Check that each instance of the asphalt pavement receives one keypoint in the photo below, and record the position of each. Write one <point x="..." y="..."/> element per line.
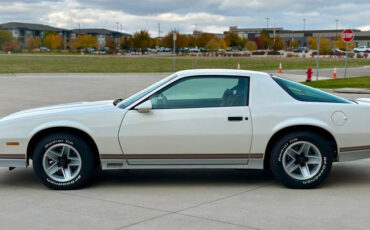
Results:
<point x="167" y="199"/>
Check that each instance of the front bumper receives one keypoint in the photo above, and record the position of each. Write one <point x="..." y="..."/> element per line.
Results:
<point x="13" y="160"/>
<point x="354" y="153"/>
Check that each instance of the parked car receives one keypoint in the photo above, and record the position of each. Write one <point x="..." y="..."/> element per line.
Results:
<point x="44" y="49"/>
<point x="230" y="119"/>
<point x="359" y="49"/>
<point x="301" y="50"/>
<point x="337" y="52"/>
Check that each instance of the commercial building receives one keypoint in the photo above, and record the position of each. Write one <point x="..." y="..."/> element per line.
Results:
<point x="21" y="31"/>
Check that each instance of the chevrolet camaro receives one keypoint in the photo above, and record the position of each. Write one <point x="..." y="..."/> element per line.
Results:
<point x="229" y="119"/>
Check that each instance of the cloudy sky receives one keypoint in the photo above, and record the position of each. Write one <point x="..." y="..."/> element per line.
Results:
<point x="209" y="15"/>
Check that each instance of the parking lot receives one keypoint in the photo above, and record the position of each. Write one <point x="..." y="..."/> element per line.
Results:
<point x="167" y="199"/>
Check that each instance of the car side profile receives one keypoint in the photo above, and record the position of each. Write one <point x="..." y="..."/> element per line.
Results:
<point x="359" y="49"/>
<point x="211" y="118"/>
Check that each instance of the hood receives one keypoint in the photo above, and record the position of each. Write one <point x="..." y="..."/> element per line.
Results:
<point x="365" y="101"/>
<point x="58" y="108"/>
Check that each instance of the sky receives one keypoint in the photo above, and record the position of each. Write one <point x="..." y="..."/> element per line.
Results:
<point x="185" y="15"/>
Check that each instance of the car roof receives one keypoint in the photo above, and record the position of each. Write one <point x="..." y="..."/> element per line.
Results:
<point x="226" y="72"/>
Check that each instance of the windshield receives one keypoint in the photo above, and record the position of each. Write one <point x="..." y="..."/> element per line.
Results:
<point x="128" y="101"/>
<point x="305" y="93"/>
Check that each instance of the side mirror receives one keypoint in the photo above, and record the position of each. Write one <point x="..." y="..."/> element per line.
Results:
<point x="144" y="107"/>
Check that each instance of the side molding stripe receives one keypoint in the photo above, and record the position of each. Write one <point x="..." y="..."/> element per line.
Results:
<point x="182" y="156"/>
<point x="354" y="148"/>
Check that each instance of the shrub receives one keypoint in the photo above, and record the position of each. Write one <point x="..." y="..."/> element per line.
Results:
<point x="366" y="55"/>
<point x="250" y="45"/>
<point x="258" y="53"/>
<point x="359" y="55"/>
<point x="12" y="46"/>
<point x="273" y="52"/>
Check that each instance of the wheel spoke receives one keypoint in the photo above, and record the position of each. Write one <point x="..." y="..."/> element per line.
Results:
<point x="313" y="160"/>
<point x="305" y="148"/>
<point x="66" y="150"/>
<point x="53" y="155"/>
<point x="305" y="171"/>
<point x="292" y="153"/>
<point x="75" y="162"/>
<point x="291" y="166"/>
<point x="67" y="173"/>
<point x="53" y="168"/>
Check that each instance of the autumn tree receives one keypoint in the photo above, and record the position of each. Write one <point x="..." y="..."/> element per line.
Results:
<point x="125" y="43"/>
<point x="277" y="43"/>
<point x="212" y="45"/>
<point x="232" y="39"/>
<point x="265" y="39"/>
<point x="85" y="41"/>
<point x="53" y="41"/>
<point x="182" y="40"/>
<point x="111" y="44"/>
<point x="340" y="44"/>
<point x="222" y="44"/>
<point x="192" y="41"/>
<point x="258" y="42"/>
<point x="325" y="44"/>
<point x="12" y="45"/>
<point x="204" y="38"/>
<point x="142" y="40"/>
<point x="250" y="46"/>
<point x="294" y="44"/>
<point x="32" y="43"/>
<point x="5" y="37"/>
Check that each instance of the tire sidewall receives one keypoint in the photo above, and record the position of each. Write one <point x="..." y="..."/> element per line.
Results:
<point x="73" y="141"/>
<point x="278" y="153"/>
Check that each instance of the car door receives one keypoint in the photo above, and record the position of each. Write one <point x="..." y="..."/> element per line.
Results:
<point x="195" y="120"/>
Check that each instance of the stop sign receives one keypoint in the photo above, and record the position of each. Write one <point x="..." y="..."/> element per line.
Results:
<point x="347" y="35"/>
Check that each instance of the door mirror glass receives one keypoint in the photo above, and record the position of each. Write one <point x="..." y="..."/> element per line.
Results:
<point x="144" y="107"/>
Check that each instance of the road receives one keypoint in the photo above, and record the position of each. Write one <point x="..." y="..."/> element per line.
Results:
<point x="165" y="199"/>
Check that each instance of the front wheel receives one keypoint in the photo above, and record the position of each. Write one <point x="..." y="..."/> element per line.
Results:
<point x="63" y="161"/>
<point x="301" y="160"/>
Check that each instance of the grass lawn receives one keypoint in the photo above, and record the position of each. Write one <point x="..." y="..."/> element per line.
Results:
<point x="356" y="82"/>
<point x="115" y="64"/>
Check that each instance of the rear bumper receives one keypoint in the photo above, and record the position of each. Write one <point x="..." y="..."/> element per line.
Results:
<point x="354" y="153"/>
<point x="13" y="160"/>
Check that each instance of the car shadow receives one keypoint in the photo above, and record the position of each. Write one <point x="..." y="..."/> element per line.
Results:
<point x="343" y="174"/>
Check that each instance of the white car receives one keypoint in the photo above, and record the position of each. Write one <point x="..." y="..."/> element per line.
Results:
<point x="205" y="119"/>
<point x="361" y="49"/>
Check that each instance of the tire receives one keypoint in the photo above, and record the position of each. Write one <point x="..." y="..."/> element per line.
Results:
<point x="63" y="161"/>
<point x="301" y="160"/>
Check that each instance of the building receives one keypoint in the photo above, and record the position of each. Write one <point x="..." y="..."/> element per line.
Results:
<point x="21" y="31"/>
<point x="101" y="34"/>
<point x="362" y="38"/>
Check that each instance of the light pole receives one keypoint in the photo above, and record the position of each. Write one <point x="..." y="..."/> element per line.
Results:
<point x="304" y="30"/>
<point x="174" y="50"/>
<point x="336" y="28"/>
<point x="267" y="23"/>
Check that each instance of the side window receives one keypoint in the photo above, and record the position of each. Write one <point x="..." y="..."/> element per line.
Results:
<point x="203" y="92"/>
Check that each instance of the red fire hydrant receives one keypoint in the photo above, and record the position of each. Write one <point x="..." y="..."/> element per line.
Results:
<point x="309" y="74"/>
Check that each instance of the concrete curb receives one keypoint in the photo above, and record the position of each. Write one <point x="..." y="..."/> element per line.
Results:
<point x="352" y="90"/>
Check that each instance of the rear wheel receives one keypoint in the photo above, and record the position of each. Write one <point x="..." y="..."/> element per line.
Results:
<point x="63" y="161"/>
<point x="301" y="160"/>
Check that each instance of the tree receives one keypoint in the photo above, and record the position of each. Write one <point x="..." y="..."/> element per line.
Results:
<point x="232" y="39"/>
<point x="242" y="43"/>
<point x="111" y="44"/>
<point x="250" y="45"/>
<point x="222" y="44"/>
<point x="325" y="44"/>
<point x="125" y="43"/>
<point x="340" y="44"/>
<point x="84" y="41"/>
<point x="258" y="42"/>
<point x="277" y="43"/>
<point x="142" y="40"/>
<point x="12" y="45"/>
<point x="32" y="43"/>
<point x="204" y="38"/>
<point x="5" y="37"/>
<point x="294" y="44"/>
<point x="53" y="41"/>
<point x="182" y="40"/>
<point x="192" y="41"/>
<point x="265" y="39"/>
<point x="212" y="45"/>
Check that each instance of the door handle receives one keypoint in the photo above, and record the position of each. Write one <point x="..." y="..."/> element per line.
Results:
<point x="235" y="118"/>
